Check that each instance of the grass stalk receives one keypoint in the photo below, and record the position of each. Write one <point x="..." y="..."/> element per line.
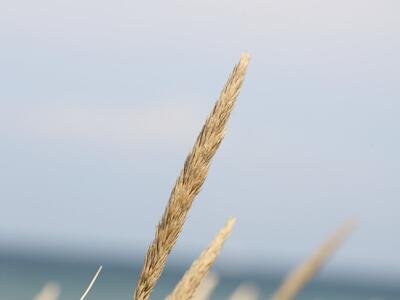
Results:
<point x="91" y="283"/>
<point x="187" y="286"/>
<point x="301" y="275"/>
<point x="189" y="183"/>
<point x="206" y="287"/>
<point x="50" y="291"/>
<point x="245" y="291"/>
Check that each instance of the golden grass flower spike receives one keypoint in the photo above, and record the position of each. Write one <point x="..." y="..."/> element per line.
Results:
<point x="189" y="183"/>
<point x="299" y="277"/>
<point x="187" y="286"/>
<point x="206" y="287"/>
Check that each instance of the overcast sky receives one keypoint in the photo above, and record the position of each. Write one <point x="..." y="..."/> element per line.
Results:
<point x="100" y="103"/>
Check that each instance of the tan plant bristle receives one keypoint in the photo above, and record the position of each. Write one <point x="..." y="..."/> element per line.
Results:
<point x="50" y="291"/>
<point x="298" y="278"/>
<point x="206" y="287"/>
<point x="187" y="286"/>
<point x="245" y="291"/>
<point x="189" y="183"/>
<point x="89" y="287"/>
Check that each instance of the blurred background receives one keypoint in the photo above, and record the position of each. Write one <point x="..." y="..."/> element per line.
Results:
<point x="101" y="101"/>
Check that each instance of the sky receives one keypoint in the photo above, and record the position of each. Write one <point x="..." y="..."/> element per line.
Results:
<point x="100" y="102"/>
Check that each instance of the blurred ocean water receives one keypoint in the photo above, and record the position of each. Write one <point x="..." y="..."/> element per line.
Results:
<point x="23" y="279"/>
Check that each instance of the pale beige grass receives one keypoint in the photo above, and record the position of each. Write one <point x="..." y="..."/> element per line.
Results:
<point x="245" y="291"/>
<point x="189" y="183"/>
<point x="187" y="286"/>
<point x="299" y="277"/>
<point x="206" y="287"/>
<point x="91" y="283"/>
<point x="50" y="291"/>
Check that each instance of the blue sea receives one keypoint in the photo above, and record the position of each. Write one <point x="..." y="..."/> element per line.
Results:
<point x="23" y="277"/>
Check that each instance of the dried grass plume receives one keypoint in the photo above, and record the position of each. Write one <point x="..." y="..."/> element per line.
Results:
<point x="245" y="291"/>
<point x="50" y="291"/>
<point x="298" y="278"/>
<point x="189" y="183"/>
<point x="206" y="287"/>
<point x="187" y="286"/>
